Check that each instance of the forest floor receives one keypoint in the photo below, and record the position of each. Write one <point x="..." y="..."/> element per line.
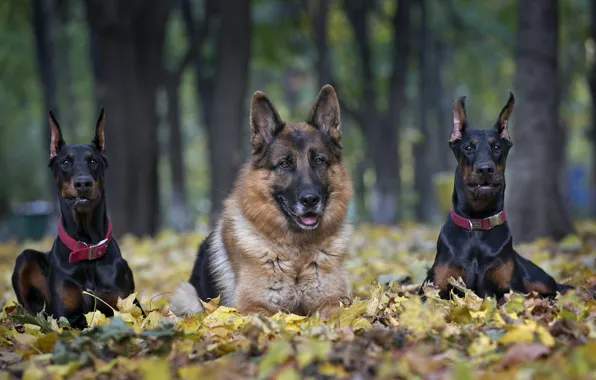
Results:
<point x="385" y="332"/>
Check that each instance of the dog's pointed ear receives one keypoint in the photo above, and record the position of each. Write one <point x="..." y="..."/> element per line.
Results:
<point x="99" y="140"/>
<point x="265" y="122"/>
<point x="324" y="114"/>
<point x="459" y="119"/>
<point x="56" y="139"/>
<point x="502" y="125"/>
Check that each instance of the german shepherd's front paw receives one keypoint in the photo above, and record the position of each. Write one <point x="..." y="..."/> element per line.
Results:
<point x="329" y="308"/>
<point x="254" y="307"/>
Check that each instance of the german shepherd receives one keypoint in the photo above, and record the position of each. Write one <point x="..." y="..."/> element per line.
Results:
<point x="282" y="238"/>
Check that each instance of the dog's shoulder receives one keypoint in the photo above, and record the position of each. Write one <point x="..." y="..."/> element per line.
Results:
<point x="240" y="239"/>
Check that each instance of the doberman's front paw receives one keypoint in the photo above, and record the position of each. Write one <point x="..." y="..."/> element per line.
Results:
<point x="564" y="288"/>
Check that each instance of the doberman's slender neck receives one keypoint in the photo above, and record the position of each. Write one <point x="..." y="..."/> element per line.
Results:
<point x="475" y="209"/>
<point x="90" y="227"/>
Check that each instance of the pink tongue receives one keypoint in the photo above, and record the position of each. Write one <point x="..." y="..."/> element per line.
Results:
<point x="309" y="220"/>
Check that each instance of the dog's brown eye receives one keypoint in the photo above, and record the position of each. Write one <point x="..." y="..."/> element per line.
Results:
<point x="319" y="161"/>
<point x="65" y="162"/>
<point x="284" y="164"/>
<point x="469" y="148"/>
<point x="497" y="147"/>
<point x="93" y="162"/>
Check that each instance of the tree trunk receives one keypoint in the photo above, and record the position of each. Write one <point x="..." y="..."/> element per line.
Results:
<point x="44" y="48"/>
<point x="114" y="73"/>
<point x="178" y="211"/>
<point x="150" y="38"/>
<point x="94" y="54"/>
<point x="227" y="140"/>
<point x="358" y="13"/>
<point x="537" y="207"/>
<point x="291" y="90"/>
<point x="592" y="131"/>
<point x="388" y="186"/>
<point x="360" y="191"/>
<point x="442" y="155"/>
<point x="208" y="75"/>
<point x="130" y="37"/>
<point x="423" y="171"/>
<point x="380" y="130"/>
<point x="203" y="67"/>
<point x="320" y="26"/>
<point x="63" y="73"/>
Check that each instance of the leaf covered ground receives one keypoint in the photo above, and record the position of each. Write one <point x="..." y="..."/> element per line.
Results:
<point x="384" y="331"/>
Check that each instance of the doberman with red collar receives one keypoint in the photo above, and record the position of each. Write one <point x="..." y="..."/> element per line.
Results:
<point x="85" y="256"/>
<point x="475" y="242"/>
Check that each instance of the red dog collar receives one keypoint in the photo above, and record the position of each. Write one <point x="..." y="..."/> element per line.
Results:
<point x="82" y="251"/>
<point x="478" y="224"/>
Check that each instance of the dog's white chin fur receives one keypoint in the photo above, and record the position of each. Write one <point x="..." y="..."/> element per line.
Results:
<point x="185" y="300"/>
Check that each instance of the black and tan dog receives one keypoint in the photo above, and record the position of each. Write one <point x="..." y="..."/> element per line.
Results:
<point x="282" y="238"/>
<point x="475" y="242"/>
<point x="85" y="256"/>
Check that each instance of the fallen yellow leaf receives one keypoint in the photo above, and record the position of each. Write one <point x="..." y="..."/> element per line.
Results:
<point x="127" y="305"/>
<point x="155" y="369"/>
<point x="96" y="318"/>
<point x="527" y="333"/>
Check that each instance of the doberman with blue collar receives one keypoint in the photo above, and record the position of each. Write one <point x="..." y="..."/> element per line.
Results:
<point x="85" y="256"/>
<point x="475" y="242"/>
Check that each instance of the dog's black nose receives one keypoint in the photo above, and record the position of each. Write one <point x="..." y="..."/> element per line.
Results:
<point x="309" y="199"/>
<point x="83" y="183"/>
<point x="485" y="169"/>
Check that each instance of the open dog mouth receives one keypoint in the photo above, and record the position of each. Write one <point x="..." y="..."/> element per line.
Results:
<point x="80" y="200"/>
<point x="310" y="220"/>
<point x="304" y="219"/>
<point x="483" y="187"/>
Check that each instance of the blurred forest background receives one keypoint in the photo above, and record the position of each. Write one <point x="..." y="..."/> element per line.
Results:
<point x="176" y="78"/>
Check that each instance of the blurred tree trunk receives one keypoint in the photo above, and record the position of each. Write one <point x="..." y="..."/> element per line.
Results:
<point x="149" y="43"/>
<point x="592" y="131"/>
<point x="94" y="54"/>
<point x="291" y="89"/>
<point x="44" y="48"/>
<point x="439" y="124"/>
<point x="63" y="72"/>
<point x="199" y="31"/>
<point x="442" y="155"/>
<point x="321" y="35"/>
<point x="178" y="211"/>
<point x="389" y="186"/>
<point x="130" y="37"/>
<point x="221" y="87"/>
<point x="227" y="130"/>
<point x="537" y="207"/>
<point x="360" y="190"/>
<point x="423" y="156"/>
<point x="381" y="129"/>
<point x="358" y="13"/>
<point x="114" y="71"/>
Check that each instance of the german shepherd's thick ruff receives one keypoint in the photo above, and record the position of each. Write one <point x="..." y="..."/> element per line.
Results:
<point x="282" y="238"/>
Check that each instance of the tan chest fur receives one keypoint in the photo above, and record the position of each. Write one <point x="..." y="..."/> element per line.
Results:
<point x="273" y="275"/>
